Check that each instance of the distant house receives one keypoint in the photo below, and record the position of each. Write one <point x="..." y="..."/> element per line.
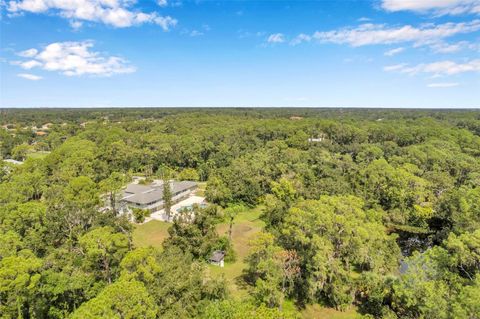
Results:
<point x="320" y="138"/>
<point x="150" y="197"/>
<point x="46" y="126"/>
<point x="12" y="161"/>
<point x="217" y="258"/>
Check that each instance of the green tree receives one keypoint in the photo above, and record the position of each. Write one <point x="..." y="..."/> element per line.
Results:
<point x="178" y="283"/>
<point x="335" y="238"/>
<point x="217" y="192"/>
<point x="231" y="212"/>
<point x="112" y="186"/>
<point x="103" y="250"/>
<point x="19" y="152"/>
<point x="243" y="309"/>
<point x="194" y="231"/>
<point x="140" y="214"/>
<point x="271" y="269"/>
<point x="167" y="198"/>
<point x="188" y="174"/>
<point x="19" y="280"/>
<point x="123" y="299"/>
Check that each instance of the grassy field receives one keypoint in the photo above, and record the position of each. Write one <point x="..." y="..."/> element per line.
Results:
<point x="246" y="226"/>
<point x="319" y="312"/>
<point x="152" y="233"/>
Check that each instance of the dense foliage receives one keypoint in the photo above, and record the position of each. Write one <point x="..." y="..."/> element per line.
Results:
<point x="374" y="208"/>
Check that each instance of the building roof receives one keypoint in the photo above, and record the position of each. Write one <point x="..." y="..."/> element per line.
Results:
<point x="145" y="194"/>
<point x="12" y="161"/>
<point x="217" y="256"/>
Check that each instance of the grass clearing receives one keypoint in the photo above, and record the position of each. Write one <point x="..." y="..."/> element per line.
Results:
<point x="246" y="226"/>
<point x="152" y="233"/>
<point x="318" y="312"/>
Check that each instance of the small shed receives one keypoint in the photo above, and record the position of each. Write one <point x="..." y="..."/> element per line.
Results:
<point x="217" y="258"/>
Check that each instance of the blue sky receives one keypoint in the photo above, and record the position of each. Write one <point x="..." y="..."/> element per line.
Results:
<point x="113" y="53"/>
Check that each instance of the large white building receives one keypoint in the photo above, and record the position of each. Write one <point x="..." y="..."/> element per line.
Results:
<point x="150" y="197"/>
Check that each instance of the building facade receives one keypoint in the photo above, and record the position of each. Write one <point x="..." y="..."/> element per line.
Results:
<point x="150" y="197"/>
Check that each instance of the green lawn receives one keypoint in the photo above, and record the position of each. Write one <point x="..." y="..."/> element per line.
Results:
<point x="318" y="312"/>
<point x="246" y="226"/>
<point x="152" y="233"/>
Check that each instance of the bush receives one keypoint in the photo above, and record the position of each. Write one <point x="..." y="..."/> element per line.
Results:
<point x="140" y="214"/>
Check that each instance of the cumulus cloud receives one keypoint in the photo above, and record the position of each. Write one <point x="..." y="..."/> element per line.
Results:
<point x="28" y="53"/>
<point x="28" y="76"/>
<point x="302" y="37"/>
<point x="162" y="3"/>
<point x="116" y="13"/>
<point x="395" y="67"/>
<point x="395" y="51"/>
<point x="276" y="38"/>
<point x="438" y="7"/>
<point x="368" y="34"/>
<point x="439" y="68"/>
<point x="364" y="19"/>
<point x="74" y="59"/>
<point x="196" y="33"/>
<point x="443" y="85"/>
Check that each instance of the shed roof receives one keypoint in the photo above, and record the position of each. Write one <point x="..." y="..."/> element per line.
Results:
<point x="217" y="256"/>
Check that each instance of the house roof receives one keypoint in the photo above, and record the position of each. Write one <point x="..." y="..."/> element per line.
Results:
<point x="145" y="194"/>
<point x="217" y="256"/>
<point x="12" y="161"/>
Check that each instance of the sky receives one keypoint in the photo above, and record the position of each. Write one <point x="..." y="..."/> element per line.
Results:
<point x="180" y="53"/>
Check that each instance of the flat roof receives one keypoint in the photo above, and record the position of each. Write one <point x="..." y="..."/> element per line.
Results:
<point x="145" y="194"/>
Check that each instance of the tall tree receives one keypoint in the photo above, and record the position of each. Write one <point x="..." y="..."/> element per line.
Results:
<point x="123" y="299"/>
<point x="112" y="186"/>
<point x="231" y="212"/>
<point x="167" y="198"/>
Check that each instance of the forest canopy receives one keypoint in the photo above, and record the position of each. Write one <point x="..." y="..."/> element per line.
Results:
<point x="365" y="209"/>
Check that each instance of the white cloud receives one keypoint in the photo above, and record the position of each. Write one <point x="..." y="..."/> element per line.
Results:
<point x="364" y="19"/>
<point x="395" y="67"/>
<point x="28" y="53"/>
<point x="196" y="33"/>
<point x="76" y="59"/>
<point x="443" y="47"/>
<point x="368" y="34"/>
<point x="443" y="85"/>
<point x="438" y="7"/>
<point x="162" y="3"/>
<point x="27" y="65"/>
<point x="395" y="51"/>
<point x="28" y="76"/>
<point x="76" y="24"/>
<point x="276" y="38"/>
<point x="302" y="37"/>
<point x="116" y="13"/>
<point x="439" y="68"/>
